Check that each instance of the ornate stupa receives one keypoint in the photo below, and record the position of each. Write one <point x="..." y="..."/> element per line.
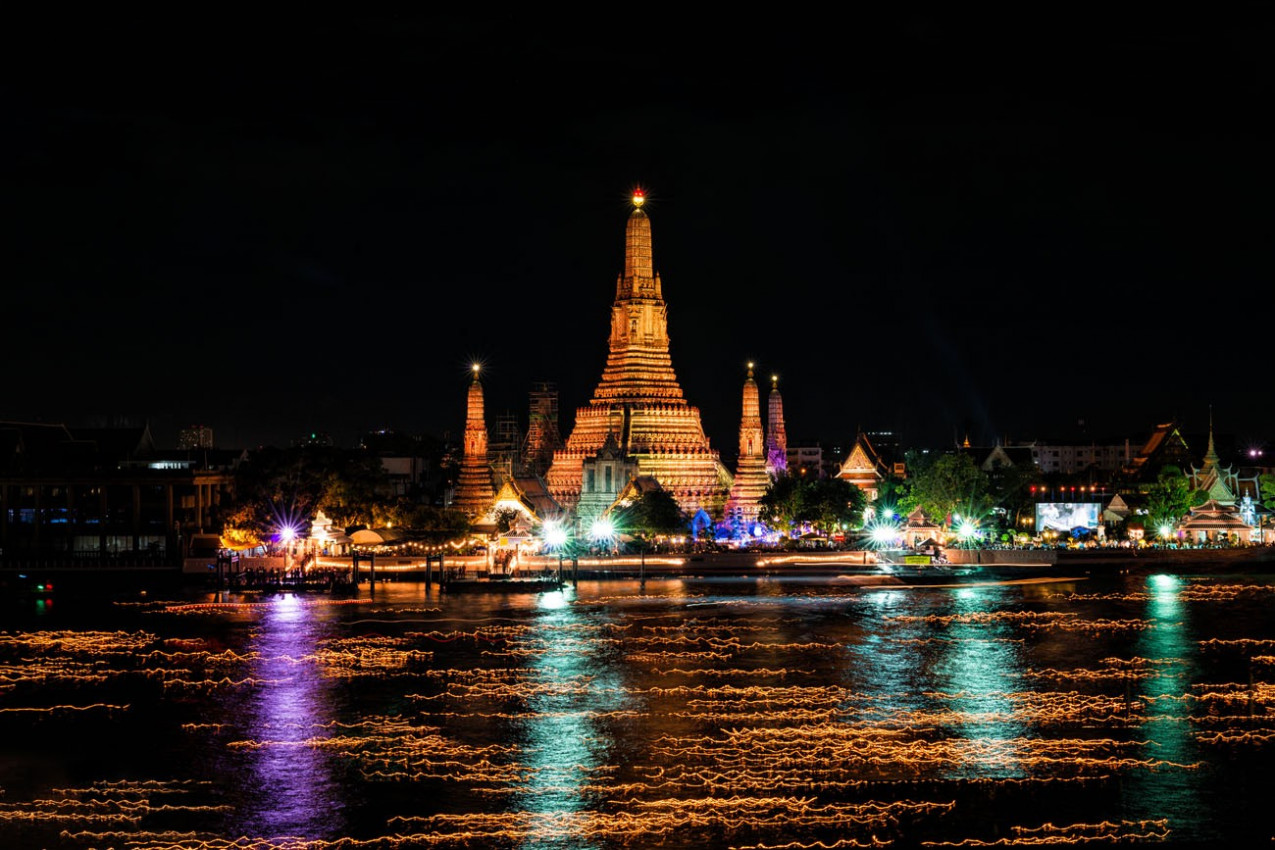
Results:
<point x="474" y="493"/>
<point x="751" y="479"/>
<point x="639" y="399"/>
<point x="776" y="436"/>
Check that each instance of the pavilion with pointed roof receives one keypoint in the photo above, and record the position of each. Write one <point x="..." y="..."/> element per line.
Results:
<point x="918" y="529"/>
<point x="1225" y="484"/>
<point x="864" y="468"/>
<point x="1214" y="522"/>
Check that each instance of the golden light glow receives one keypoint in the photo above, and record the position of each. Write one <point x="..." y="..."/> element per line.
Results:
<point x="639" y="198"/>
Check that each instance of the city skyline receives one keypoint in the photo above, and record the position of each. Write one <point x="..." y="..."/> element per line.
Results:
<point x="925" y="226"/>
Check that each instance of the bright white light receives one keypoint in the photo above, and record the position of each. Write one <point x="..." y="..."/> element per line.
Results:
<point x="555" y="534"/>
<point x="602" y="529"/>
<point x="552" y="600"/>
<point x="884" y="533"/>
<point x="1166" y="530"/>
<point x="287" y="533"/>
<point x="966" y="530"/>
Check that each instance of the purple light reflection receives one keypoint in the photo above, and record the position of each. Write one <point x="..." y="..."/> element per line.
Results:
<point x="294" y="792"/>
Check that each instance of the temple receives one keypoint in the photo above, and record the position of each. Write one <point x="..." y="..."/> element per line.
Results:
<point x="776" y="435"/>
<point x="751" y="479"/>
<point x="474" y="493"/>
<point x="639" y="401"/>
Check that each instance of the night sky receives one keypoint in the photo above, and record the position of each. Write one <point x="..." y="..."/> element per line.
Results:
<point x="945" y="225"/>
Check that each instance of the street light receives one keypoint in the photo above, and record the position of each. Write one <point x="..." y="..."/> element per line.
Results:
<point x="602" y="532"/>
<point x="556" y="538"/>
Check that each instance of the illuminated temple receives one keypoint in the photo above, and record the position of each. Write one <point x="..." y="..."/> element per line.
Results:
<point x="474" y="492"/>
<point x="639" y="400"/>
<point x="776" y="435"/>
<point x="751" y="478"/>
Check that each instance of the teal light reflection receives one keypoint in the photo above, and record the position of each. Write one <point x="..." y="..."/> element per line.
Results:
<point x="561" y="748"/>
<point x="1169" y="646"/>
<point x="981" y="668"/>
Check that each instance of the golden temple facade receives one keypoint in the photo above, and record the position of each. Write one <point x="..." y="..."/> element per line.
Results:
<point x="639" y="400"/>
<point x="776" y="434"/>
<point x="751" y="478"/>
<point x="474" y="492"/>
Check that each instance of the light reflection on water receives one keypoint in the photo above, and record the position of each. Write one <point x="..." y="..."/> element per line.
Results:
<point x="676" y="714"/>
<point x="560" y="745"/>
<point x="292" y="787"/>
<point x="1169" y="645"/>
<point x="981" y="666"/>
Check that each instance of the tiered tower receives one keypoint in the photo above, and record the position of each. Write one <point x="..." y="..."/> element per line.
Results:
<point x="474" y="493"/>
<point x="776" y="436"/>
<point x="639" y="398"/>
<point x="542" y="428"/>
<point x="751" y="479"/>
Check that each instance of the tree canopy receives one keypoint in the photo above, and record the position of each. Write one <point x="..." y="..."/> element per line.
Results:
<point x="653" y="513"/>
<point x="277" y="488"/>
<point x="951" y="484"/>
<point x="825" y="504"/>
<point x="1170" y="498"/>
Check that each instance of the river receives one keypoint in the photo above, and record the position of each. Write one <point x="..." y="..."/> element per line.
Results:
<point x="680" y="713"/>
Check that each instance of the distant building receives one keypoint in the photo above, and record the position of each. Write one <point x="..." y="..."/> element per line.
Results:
<point x="195" y="437"/>
<point x="805" y="459"/>
<point x="1057" y="457"/>
<point x="543" y="437"/>
<point x="79" y="495"/>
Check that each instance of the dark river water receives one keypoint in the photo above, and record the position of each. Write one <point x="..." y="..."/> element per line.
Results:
<point x="731" y="713"/>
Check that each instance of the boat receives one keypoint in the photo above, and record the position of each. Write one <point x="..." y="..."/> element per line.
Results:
<point x="503" y="584"/>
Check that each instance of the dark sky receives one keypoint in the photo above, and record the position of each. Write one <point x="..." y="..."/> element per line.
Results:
<point x="939" y="224"/>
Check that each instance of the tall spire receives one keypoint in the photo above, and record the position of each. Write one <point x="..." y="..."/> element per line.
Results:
<point x="639" y="279"/>
<point x="1210" y="456"/>
<point x="474" y="493"/>
<point x="639" y="398"/>
<point x="776" y="435"/>
<point x="751" y="479"/>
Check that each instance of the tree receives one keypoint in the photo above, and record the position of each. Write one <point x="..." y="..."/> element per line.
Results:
<point x="822" y="503"/>
<point x="952" y="484"/>
<point x="1169" y="498"/>
<point x="429" y="523"/>
<point x="781" y="506"/>
<point x="653" y="513"/>
<point x="275" y="488"/>
<point x="1011" y="490"/>
<point x="1266" y="487"/>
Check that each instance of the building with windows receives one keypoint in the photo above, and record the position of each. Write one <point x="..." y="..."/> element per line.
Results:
<point x="105" y="495"/>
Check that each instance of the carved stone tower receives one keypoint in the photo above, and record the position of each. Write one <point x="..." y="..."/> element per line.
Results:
<point x="474" y="493"/>
<point x="776" y="436"/>
<point x="639" y="399"/>
<point x="751" y="479"/>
